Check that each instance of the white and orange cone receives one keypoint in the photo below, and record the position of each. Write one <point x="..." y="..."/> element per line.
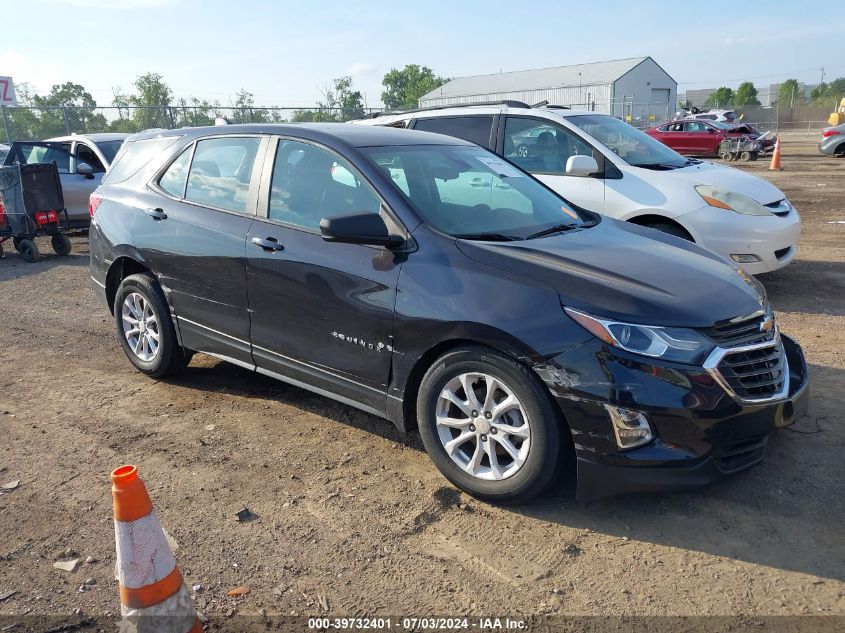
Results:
<point x="153" y="596"/>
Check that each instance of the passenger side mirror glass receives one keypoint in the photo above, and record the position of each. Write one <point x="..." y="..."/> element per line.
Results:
<point x="581" y="166"/>
<point x="360" y="227"/>
<point x="84" y="169"/>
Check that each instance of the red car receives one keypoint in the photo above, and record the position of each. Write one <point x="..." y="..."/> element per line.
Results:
<point x="696" y="137"/>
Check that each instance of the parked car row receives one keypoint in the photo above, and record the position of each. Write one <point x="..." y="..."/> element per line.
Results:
<point x="426" y="280"/>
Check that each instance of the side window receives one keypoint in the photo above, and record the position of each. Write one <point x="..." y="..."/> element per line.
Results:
<point x="85" y="154"/>
<point x="310" y="183"/>
<point x="220" y="172"/>
<point x="541" y="146"/>
<point x="676" y="127"/>
<point x="58" y="153"/>
<point x="696" y="127"/>
<point x="475" y="129"/>
<point x="173" y="180"/>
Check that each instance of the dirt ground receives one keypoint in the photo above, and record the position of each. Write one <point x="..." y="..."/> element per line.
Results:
<point x="351" y="517"/>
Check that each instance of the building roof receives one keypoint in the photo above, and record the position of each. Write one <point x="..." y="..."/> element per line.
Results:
<point x="595" y="73"/>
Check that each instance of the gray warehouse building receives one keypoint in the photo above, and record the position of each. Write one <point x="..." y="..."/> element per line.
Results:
<point x="637" y="88"/>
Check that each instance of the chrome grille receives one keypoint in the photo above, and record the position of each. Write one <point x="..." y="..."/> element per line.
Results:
<point x="742" y="331"/>
<point x="759" y="373"/>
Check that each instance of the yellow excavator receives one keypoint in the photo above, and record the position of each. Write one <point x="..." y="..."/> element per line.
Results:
<point x="838" y="117"/>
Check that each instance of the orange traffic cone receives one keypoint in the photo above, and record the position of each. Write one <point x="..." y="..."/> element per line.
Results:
<point x="153" y="596"/>
<point x="775" y="166"/>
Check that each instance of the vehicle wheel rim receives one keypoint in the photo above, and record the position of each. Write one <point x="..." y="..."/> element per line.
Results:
<point x="483" y="426"/>
<point x="140" y="326"/>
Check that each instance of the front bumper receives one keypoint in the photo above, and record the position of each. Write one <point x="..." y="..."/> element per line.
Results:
<point x="702" y="434"/>
<point x="773" y="239"/>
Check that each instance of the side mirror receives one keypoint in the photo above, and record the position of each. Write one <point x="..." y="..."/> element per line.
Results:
<point x="581" y="166"/>
<point x="360" y="227"/>
<point x="84" y="169"/>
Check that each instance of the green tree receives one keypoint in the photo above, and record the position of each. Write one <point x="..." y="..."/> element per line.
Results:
<point x="746" y="95"/>
<point x="403" y="88"/>
<point x="832" y="91"/>
<point x="789" y="93"/>
<point x="69" y="107"/>
<point x="721" y="97"/>
<point x="246" y="112"/>
<point x="151" y="102"/>
<point x="341" y="101"/>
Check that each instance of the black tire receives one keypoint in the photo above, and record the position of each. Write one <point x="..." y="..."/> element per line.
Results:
<point x="61" y="244"/>
<point x="671" y="229"/>
<point x="17" y="243"/>
<point x="29" y="251"/>
<point x="169" y="358"/>
<point x="2" y="252"/>
<point x="745" y="157"/>
<point x="541" y="463"/>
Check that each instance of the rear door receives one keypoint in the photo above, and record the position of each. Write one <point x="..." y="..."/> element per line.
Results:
<point x="196" y="219"/>
<point x="322" y="313"/>
<point x="701" y="138"/>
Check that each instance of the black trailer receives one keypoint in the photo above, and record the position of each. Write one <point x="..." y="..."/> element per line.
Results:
<point x="32" y="205"/>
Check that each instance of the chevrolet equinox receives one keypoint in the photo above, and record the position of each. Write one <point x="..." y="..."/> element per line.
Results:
<point x="428" y="281"/>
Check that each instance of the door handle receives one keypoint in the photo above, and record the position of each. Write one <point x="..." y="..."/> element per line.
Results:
<point x="270" y="244"/>
<point x="156" y="214"/>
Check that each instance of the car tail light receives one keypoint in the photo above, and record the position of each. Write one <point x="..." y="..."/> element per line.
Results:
<point x="2" y="211"/>
<point x="94" y="201"/>
<point x="46" y="217"/>
<point x="827" y="133"/>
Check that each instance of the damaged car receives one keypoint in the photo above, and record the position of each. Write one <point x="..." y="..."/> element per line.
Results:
<point x="428" y="281"/>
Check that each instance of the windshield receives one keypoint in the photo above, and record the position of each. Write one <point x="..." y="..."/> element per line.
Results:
<point x="472" y="193"/>
<point x="634" y="147"/>
<point x="109" y="149"/>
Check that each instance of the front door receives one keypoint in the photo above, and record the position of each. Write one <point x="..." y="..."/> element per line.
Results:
<point x="322" y="313"/>
<point x="542" y="148"/>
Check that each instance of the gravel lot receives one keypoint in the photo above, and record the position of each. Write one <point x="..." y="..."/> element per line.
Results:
<point x="353" y="520"/>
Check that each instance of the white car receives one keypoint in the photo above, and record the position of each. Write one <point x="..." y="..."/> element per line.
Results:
<point x="605" y="165"/>
<point x="722" y="116"/>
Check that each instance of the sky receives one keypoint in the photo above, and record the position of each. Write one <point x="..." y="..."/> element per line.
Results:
<point x="286" y="53"/>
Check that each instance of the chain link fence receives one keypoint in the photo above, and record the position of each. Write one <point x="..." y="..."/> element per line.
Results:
<point x="22" y="123"/>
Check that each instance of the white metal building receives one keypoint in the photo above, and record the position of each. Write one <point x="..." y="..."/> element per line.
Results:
<point x="637" y="87"/>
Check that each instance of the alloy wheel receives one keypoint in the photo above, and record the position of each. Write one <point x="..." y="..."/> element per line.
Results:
<point x="483" y="426"/>
<point x="140" y="326"/>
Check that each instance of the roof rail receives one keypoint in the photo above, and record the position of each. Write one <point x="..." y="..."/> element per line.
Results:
<point x="507" y="102"/>
<point x="545" y="104"/>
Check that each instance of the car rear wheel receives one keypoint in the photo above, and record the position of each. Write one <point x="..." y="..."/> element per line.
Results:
<point x="144" y="327"/>
<point x="489" y="425"/>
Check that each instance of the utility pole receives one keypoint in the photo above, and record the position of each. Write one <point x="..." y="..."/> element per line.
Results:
<point x="821" y="81"/>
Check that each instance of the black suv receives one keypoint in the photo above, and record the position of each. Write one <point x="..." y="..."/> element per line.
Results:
<point x="517" y="334"/>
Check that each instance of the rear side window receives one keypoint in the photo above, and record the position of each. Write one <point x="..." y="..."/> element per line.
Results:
<point x="134" y="155"/>
<point x="173" y="180"/>
<point x="221" y="171"/>
<point x="475" y="129"/>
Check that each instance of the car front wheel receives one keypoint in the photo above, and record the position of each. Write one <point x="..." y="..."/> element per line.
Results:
<point x="488" y="424"/>
<point x="145" y="329"/>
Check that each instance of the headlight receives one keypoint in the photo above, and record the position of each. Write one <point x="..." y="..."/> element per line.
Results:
<point x="730" y="200"/>
<point x="669" y="343"/>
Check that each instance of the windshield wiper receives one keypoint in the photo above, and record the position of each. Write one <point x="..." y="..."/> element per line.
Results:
<point x="490" y="237"/>
<point x="660" y="166"/>
<point x="560" y="228"/>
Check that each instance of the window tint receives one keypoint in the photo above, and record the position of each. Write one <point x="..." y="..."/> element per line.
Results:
<point x="694" y="126"/>
<point x="220" y="172"/>
<point x="58" y="153"/>
<point x="134" y="155"/>
<point x="174" y="179"/>
<point x="85" y="154"/>
<point x="475" y="129"/>
<point x="541" y="146"/>
<point x="310" y="183"/>
<point x="110" y="149"/>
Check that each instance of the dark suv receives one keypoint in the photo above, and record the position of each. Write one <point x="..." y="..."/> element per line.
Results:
<point x="517" y="333"/>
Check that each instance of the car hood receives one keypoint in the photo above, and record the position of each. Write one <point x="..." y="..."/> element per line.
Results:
<point x="627" y="272"/>
<point x="706" y="173"/>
